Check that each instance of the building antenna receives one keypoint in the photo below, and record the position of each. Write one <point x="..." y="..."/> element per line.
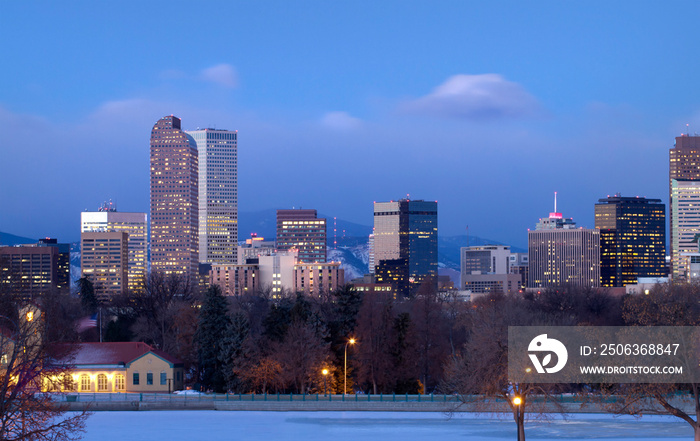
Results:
<point x="687" y="129"/>
<point x="335" y="234"/>
<point x="555" y="201"/>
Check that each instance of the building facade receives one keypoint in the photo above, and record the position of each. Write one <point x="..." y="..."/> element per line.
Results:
<point x="303" y="231"/>
<point x="405" y="234"/>
<point x="685" y="225"/>
<point x="174" y="200"/>
<point x="683" y="172"/>
<point x="235" y="280"/>
<point x="561" y="254"/>
<point x="136" y="226"/>
<point x="486" y="268"/>
<point x="104" y="260"/>
<point x="632" y="239"/>
<point x="29" y="270"/>
<point x="315" y="279"/>
<point x="218" y="194"/>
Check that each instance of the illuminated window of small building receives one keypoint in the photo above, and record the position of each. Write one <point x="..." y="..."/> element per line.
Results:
<point x="84" y="383"/>
<point x="102" y="382"/>
<point x="119" y="382"/>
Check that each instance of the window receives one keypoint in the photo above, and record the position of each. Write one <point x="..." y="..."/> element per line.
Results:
<point x="84" y="383"/>
<point x="136" y="378"/>
<point x="178" y="376"/>
<point x="149" y="378"/>
<point x="119" y="383"/>
<point x="101" y="382"/>
<point x="163" y="378"/>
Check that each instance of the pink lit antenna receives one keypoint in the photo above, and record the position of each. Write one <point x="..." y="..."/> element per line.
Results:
<point x="555" y="202"/>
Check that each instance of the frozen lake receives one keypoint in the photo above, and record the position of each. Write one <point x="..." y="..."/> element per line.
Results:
<point x="354" y="426"/>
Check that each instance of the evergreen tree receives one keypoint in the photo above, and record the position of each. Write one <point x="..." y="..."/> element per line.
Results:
<point x="235" y="354"/>
<point x="212" y="325"/>
<point x="88" y="299"/>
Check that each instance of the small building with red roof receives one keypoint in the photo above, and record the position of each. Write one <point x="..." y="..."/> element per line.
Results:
<point x="123" y="367"/>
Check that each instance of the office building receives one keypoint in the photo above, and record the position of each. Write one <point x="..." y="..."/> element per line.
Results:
<point x="235" y="280"/>
<point x="29" y="270"/>
<point x="104" y="260"/>
<point x="218" y="194"/>
<point x="315" y="279"/>
<point x="486" y="268"/>
<point x="254" y="247"/>
<point x="63" y="270"/>
<point x="174" y="200"/>
<point x="561" y="254"/>
<point x="405" y="243"/>
<point x="303" y="231"/>
<point x="108" y="219"/>
<point x="684" y="180"/>
<point x="632" y="239"/>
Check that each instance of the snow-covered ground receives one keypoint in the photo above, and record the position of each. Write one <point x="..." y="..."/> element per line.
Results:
<point x="356" y="426"/>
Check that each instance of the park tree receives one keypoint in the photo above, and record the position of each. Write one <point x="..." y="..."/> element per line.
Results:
<point x="676" y="304"/>
<point x="301" y="354"/>
<point x="236" y="355"/>
<point x="479" y="374"/>
<point x="88" y="298"/>
<point x="28" y="374"/>
<point x="375" y="333"/>
<point x="212" y="324"/>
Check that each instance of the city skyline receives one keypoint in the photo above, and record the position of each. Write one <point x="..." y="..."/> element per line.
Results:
<point x="401" y="89"/>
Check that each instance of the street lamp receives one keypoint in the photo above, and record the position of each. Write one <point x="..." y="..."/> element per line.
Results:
<point x="345" y="386"/>
<point x="325" y="386"/>
<point x="517" y="401"/>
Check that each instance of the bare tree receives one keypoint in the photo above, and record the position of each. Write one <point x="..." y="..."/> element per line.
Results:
<point x="375" y="336"/>
<point x="301" y="354"/>
<point x="28" y="375"/>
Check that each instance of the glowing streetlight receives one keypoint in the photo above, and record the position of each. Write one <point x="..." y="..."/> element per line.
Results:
<point x="345" y="386"/>
<point x="325" y="387"/>
<point x="517" y="401"/>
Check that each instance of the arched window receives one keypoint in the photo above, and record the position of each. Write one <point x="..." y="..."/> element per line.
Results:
<point x="119" y="383"/>
<point x="101" y="383"/>
<point x="84" y="383"/>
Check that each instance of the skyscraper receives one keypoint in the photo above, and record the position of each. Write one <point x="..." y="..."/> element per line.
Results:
<point x="561" y="254"/>
<point x="632" y="239"/>
<point x="174" y="200"/>
<point x="304" y="231"/>
<point x="683" y="188"/>
<point x="405" y="242"/>
<point x="104" y="258"/>
<point x="107" y="219"/>
<point x="218" y="194"/>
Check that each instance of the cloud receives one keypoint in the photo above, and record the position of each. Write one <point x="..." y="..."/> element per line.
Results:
<point x="221" y="74"/>
<point x="340" y="121"/>
<point x="486" y="96"/>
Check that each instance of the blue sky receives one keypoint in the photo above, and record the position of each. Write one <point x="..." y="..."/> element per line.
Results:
<point x="486" y="107"/>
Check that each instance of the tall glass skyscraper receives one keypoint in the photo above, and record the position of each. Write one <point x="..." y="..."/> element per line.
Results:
<point x="632" y="239"/>
<point x="405" y="242"/>
<point x="684" y="191"/>
<point x="218" y="194"/>
<point x="174" y="200"/>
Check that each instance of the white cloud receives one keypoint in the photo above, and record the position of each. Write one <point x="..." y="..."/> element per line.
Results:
<point x="340" y="121"/>
<point x="221" y="74"/>
<point x="486" y="96"/>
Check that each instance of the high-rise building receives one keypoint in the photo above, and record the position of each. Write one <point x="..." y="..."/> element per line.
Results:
<point x="405" y="243"/>
<point x="684" y="186"/>
<point x="561" y="254"/>
<point x="29" y="270"/>
<point x="303" y="231"/>
<point x="107" y="219"/>
<point x="218" y="194"/>
<point x="685" y="225"/>
<point x="174" y="200"/>
<point x="632" y="239"/>
<point x="486" y="268"/>
<point x="63" y="275"/>
<point x="104" y="260"/>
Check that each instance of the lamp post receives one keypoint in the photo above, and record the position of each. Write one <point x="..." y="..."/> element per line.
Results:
<point x="517" y="401"/>
<point x="325" y="386"/>
<point x="345" y="386"/>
